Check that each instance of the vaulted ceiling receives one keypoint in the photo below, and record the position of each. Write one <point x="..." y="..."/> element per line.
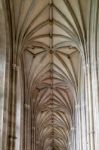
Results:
<point x="48" y="35"/>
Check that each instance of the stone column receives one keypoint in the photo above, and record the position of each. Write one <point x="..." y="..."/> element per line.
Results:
<point x="92" y="76"/>
<point x="2" y="70"/>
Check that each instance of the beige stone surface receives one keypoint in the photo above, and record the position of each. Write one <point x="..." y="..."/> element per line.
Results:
<point x="52" y="71"/>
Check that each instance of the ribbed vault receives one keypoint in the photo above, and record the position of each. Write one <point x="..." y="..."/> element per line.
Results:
<point x="48" y="39"/>
<point x="50" y="98"/>
<point x="50" y="73"/>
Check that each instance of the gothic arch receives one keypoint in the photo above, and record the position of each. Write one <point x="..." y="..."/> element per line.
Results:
<point x="46" y="40"/>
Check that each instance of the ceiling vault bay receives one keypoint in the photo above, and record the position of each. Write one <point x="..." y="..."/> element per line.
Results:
<point x="47" y="37"/>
